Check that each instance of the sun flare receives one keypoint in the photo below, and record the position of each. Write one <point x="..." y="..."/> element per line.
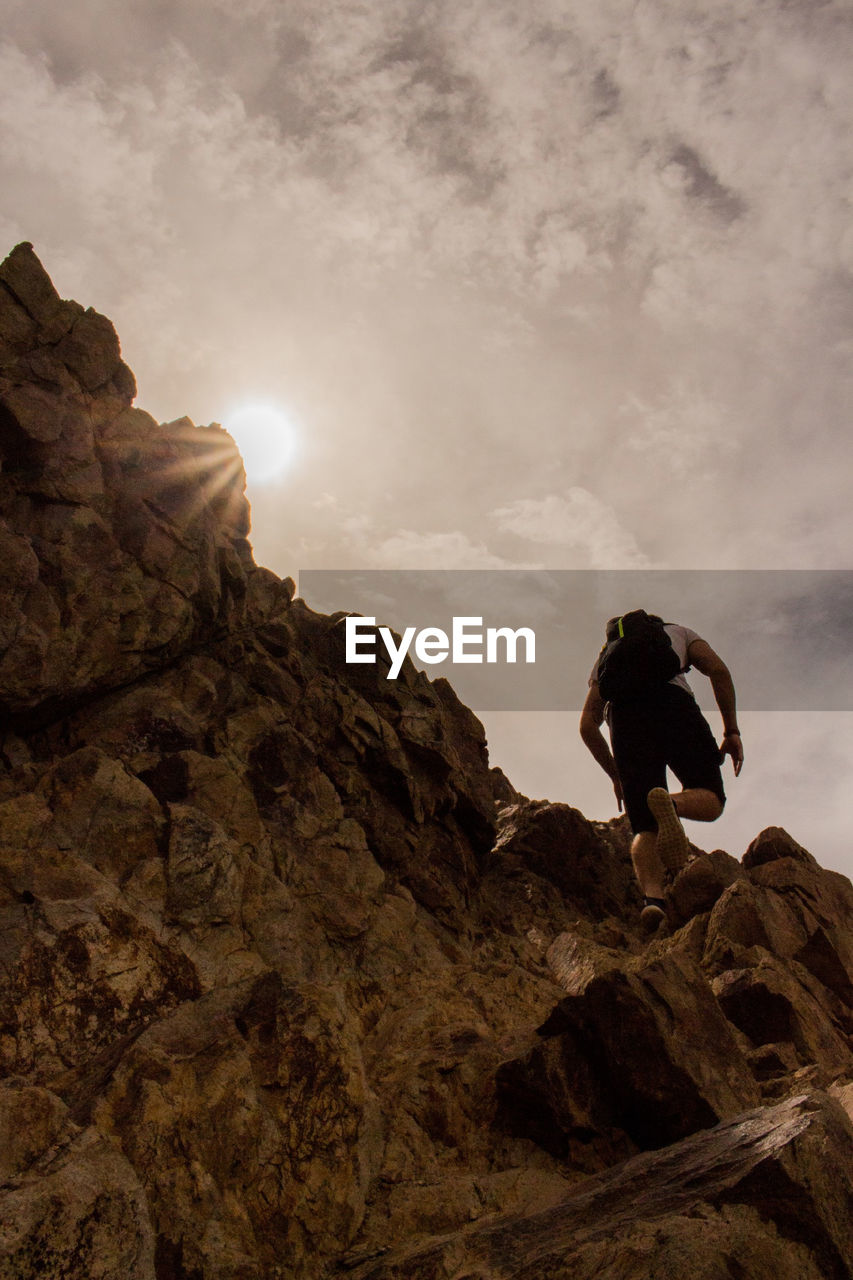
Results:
<point x="266" y="438"/>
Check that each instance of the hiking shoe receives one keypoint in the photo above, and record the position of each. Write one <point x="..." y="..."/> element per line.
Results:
<point x="654" y="910"/>
<point x="672" y="844"/>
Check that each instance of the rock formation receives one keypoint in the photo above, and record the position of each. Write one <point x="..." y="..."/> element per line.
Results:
<point x="293" y="985"/>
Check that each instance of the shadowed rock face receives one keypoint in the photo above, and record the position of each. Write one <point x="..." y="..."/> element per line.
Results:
<point x="292" y="984"/>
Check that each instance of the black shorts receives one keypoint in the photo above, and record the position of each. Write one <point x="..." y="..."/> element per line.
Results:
<point x="652" y="734"/>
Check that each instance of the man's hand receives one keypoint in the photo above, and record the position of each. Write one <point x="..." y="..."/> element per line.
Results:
<point x="731" y="745"/>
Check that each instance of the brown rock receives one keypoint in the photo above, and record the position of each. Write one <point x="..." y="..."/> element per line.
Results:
<point x="754" y="1196"/>
<point x="790" y="910"/>
<point x="771" y="1007"/>
<point x="31" y="1121"/>
<point x="103" y="811"/>
<point x="78" y="1210"/>
<point x="90" y="350"/>
<point x="587" y="862"/>
<point x="702" y="882"/>
<point x="36" y="416"/>
<point x="502" y="789"/>
<point x="576" y="961"/>
<point x="202" y="870"/>
<point x="773" y="843"/>
<point x="25" y="279"/>
<point x="255" y="1102"/>
<point x="657" y="1059"/>
<point x="124" y="574"/>
<point x="17" y="331"/>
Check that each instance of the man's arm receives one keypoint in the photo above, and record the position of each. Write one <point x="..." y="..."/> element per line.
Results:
<point x="592" y="718"/>
<point x="704" y="659"/>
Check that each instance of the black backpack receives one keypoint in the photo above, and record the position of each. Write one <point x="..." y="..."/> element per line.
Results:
<point x="637" y="659"/>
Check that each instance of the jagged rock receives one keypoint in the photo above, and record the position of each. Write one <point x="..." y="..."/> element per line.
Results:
<point x="123" y="539"/>
<point x="576" y="961"/>
<point x="503" y="790"/>
<point x="255" y="1101"/>
<point x="754" y="1196"/>
<point x="702" y="882"/>
<point x="771" y="1007"/>
<point x="202" y="870"/>
<point x="101" y="810"/>
<point x="28" y="287"/>
<point x="773" y="843"/>
<point x="275" y="941"/>
<point x="70" y="1203"/>
<point x="587" y="862"/>
<point x="778" y="946"/>
<point x="643" y="1054"/>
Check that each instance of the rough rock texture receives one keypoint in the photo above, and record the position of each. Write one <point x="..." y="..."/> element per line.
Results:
<point x="758" y="1195"/>
<point x="293" y="985"/>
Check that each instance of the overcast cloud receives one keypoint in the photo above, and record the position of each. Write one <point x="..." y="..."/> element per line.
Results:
<point x="570" y="286"/>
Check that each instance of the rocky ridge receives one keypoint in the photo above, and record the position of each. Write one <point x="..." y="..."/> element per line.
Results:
<point x="295" y="986"/>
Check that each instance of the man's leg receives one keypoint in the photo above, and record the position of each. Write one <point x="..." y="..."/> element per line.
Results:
<point x="648" y="867"/>
<point x="665" y="847"/>
<point x="697" y="803"/>
<point x="639" y="750"/>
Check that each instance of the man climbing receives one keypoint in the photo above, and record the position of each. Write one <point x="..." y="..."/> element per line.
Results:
<point x="638" y="685"/>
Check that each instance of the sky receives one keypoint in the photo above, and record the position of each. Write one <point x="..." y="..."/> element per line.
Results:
<point x="560" y="285"/>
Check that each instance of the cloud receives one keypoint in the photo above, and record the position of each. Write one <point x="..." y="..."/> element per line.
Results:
<point x="596" y="233"/>
<point x="527" y="152"/>
<point x="376" y="548"/>
<point x="410" y="550"/>
<point x="578" y="522"/>
<point x="683" y="427"/>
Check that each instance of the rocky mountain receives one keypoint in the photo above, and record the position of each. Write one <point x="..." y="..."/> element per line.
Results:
<point x="293" y="985"/>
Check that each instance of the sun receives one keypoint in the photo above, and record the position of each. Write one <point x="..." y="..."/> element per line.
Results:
<point x="266" y="438"/>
